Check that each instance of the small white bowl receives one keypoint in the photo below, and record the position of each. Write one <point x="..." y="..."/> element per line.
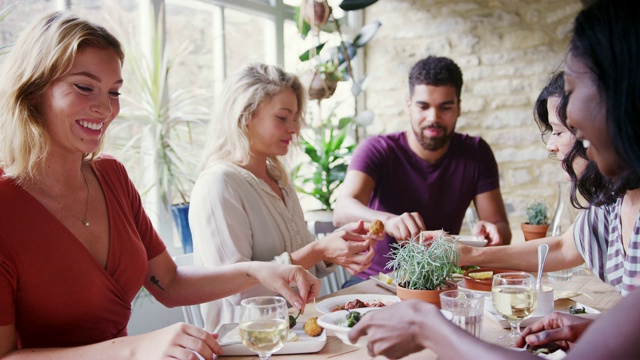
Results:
<point x="330" y="322"/>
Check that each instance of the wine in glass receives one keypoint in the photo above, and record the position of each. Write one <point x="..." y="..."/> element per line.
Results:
<point x="514" y="298"/>
<point x="264" y="324"/>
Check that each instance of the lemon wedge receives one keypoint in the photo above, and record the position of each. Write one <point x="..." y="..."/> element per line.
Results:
<point x="481" y="275"/>
<point x="385" y="278"/>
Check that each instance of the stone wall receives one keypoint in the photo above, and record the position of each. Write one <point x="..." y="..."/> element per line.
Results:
<point x="507" y="50"/>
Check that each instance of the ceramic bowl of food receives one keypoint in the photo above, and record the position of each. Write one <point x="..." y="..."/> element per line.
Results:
<point x="338" y="323"/>
<point x="481" y="279"/>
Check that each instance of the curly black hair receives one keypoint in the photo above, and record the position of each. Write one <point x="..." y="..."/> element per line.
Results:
<point x="436" y="71"/>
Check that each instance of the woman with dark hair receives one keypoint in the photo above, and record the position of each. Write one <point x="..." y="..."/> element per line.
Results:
<point x="571" y="248"/>
<point x="603" y="85"/>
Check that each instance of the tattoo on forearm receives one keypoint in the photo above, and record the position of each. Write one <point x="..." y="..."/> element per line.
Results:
<point x="247" y="274"/>
<point x="156" y="282"/>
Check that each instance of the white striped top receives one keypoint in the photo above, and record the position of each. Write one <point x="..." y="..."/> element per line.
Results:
<point x="598" y="237"/>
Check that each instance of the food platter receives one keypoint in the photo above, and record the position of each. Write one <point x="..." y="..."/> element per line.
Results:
<point x="232" y="345"/>
<point x="335" y="303"/>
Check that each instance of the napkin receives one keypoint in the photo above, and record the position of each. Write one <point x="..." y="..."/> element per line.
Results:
<point x="557" y="295"/>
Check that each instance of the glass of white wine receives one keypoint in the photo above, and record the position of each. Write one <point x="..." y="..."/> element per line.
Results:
<point x="264" y="324"/>
<point x="514" y="298"/>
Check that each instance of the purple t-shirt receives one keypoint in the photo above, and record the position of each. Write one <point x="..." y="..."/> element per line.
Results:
<point x="441" y="192"/>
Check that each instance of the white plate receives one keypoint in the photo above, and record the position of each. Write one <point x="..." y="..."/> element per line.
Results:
<point x="232" y="345"/>
<point x="471" y="240"/>
<point x="333" y="304"/>
<point x="330" y="322"/>
<point x="493" y="314"/>
<point x="391" y="287"/>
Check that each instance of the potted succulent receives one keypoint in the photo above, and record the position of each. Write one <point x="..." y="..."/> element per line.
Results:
<point x="424" y="268"/>
<point x="538" y="221"/>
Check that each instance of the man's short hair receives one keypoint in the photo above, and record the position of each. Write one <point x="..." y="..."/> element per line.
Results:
<point x="436" y="71"/>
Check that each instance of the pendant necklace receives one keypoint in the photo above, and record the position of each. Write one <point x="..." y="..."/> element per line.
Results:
<point x="86" y="206"/>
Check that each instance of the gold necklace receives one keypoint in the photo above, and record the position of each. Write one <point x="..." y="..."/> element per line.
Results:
<point x="86" y="206"/>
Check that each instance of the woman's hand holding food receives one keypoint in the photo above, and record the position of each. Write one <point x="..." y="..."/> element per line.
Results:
<point x="404" y="226"/>
<point x="563" y="329"/>
<point x="178" y="341"/>
<point x="278" y="277"/>
<point x="351" y="246"/>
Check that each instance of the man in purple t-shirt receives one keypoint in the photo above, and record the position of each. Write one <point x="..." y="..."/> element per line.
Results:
<point x="425" y="178"/>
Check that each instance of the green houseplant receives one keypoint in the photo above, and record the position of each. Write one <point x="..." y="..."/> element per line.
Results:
<point x="332" y="65"/>
<point x="424" y="268"/>
<point x="157" y="124"/>
<point x="328" y="150"/>
<point x="537" y="221"/>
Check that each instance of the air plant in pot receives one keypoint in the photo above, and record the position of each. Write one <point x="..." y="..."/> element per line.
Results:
<point x="424" y="268"/>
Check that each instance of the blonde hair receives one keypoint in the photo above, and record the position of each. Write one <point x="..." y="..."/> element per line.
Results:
<point x="43" y="52"/>
<point x="241" y="96"/>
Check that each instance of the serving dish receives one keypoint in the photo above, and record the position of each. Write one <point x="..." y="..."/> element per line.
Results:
<point x="336" y="303"/>
<point x="471" y="283"/>
<point x="229" y="339"/>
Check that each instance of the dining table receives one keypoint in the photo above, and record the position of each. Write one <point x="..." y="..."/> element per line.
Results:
<point x="586" y="289"/>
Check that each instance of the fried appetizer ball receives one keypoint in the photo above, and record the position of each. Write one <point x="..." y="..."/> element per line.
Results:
<point x="312" y="328"/>
<point x="376" y="227"/>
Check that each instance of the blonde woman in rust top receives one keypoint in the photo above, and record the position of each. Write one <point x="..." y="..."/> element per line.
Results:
<point x="75" y="243"/>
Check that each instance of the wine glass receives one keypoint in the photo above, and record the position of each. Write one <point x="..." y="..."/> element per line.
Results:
<point x="514" y="298"/>
<point x="264" y="324"/>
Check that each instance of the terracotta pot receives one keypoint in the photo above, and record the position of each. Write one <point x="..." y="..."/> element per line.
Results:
<point x="317" y="86"/>
<point x="481" y="284"/>
<point x="430" y="296"/>
<point x="534" y="231"/>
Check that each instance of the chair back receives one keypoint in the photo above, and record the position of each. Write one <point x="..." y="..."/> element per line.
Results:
<point x="332" y="282"/>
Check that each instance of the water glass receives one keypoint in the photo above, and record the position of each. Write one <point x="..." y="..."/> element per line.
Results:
<point x="264" y="324"/>
<point x="562" y="275"/>
<point x="467" y="308"/>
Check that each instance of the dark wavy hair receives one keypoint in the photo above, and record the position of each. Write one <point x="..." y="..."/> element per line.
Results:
<point x="590" y="183"/>
<point x="606" y="38"/>
<point x="436" y="71"/>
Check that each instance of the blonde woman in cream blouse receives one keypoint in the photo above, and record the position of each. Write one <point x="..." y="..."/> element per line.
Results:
<point x="243" y="206"/>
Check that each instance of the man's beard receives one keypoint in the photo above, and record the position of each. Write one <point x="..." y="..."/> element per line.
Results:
<point x="433" y="143"/>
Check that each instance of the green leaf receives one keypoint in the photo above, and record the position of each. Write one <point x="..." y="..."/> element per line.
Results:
<point x="311" y="52"/>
